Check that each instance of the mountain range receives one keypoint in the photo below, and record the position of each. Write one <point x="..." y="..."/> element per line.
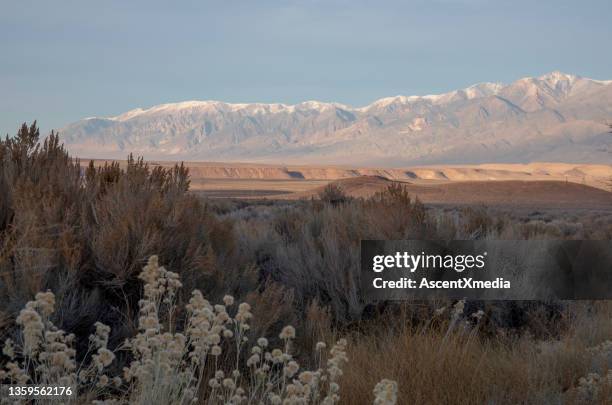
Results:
<point x="555" y="117"/>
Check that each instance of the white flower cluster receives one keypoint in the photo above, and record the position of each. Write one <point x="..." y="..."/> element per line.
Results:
<point x="46" y="350"/>
<point x="93" y="374"/>
<point x="158" y="371"/>
<point x="168" y="366"/>
<point x="292" y="386"/>
<point x="159" y="282"/>
<point x="205" y="327"/>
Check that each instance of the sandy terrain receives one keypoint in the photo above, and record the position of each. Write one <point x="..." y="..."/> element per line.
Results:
<point x="535" y="184"/>
<point x="599" y="176"/>
<point x="249" y="188"/>
<point x="508" y="193"/>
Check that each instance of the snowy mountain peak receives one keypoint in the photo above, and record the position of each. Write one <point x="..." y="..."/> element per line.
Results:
<point x="557" y="76"/>
<point x="556" y="83"/>
<point x="543" y="117"/>
<point x="165" y="108"/>
<point x="484" y="89"/>
<point x="474" y="91"/>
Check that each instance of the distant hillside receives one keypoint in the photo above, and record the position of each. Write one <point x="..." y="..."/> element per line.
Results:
<point x="555" y="117"/>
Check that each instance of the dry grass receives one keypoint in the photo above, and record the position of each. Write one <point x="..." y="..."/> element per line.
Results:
<point x="465" y="366"/>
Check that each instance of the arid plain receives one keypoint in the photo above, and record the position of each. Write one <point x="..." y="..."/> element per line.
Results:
<point x="535" y="185"/>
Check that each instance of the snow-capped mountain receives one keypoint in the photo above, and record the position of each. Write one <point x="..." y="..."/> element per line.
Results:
<point x="554" y="117"/>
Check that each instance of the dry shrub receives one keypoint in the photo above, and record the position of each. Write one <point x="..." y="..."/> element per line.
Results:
<point x="288" y="224"/>
<point x="88" y="233"/>
<point x="273" y="307"/>
<point x="317" y="326"/>
<point x="314" y="250"/>
<point x="40" y="214"/>
<point x="333" y="194"/>
<point x="393" y="214"/>
<point x="478" y="222"/>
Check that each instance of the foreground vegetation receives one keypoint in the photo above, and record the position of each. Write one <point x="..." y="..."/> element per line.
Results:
<point x="85" y="236"/>
<point x="172" y="367"/>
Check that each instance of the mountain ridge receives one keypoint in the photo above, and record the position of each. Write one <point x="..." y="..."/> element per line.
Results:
<point x="556" y="115"/>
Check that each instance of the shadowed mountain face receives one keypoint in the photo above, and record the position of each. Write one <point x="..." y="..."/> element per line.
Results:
<point x="555" y="117"/>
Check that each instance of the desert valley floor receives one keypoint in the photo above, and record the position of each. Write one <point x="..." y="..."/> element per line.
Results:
<point x="534" y="185"/>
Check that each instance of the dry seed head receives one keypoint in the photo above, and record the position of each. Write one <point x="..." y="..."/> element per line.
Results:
<point x="229" y="383"/>
<point x="244" y="313"/>
<point x="222" y="317"/>
<point x="385" y="392"/>
<point x="253" y="360"/>
<point x="103" y="381"/>
<point x="288" y="332"/>
<point x="478" y="315"/>
<point x="275" y="399"/>
<point x="9" y="349"/>
<point x="291" y="368"/>
<point x="104" y="358"/>
<point x="15" y="373"/>
<point x="458" y="308"/>
<point x="100" y="337"/>
<point x="33" y="328"/>
<point x="277" y="355"/>
<point x="45" y="302"/>
<point x="214" y="339"/>
<point x="307" y="377"/>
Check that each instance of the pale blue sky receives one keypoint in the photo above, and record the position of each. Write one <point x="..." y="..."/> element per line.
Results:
<point x="64" y="60"/>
